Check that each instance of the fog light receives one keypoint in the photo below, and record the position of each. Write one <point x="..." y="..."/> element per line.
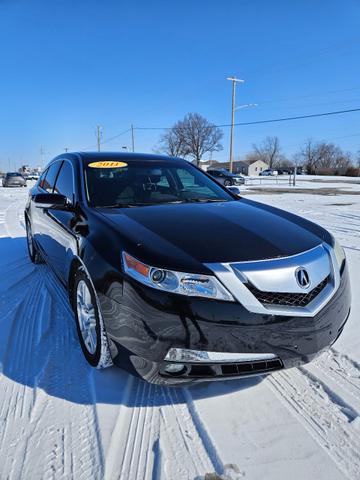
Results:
<point x="174" y="368"/>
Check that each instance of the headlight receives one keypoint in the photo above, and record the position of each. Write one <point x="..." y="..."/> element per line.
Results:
<point x="190" y="284"/>
<point x="339" y="253"/>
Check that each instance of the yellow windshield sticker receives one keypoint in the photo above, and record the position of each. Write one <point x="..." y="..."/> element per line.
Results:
<point x="107" y="164"/>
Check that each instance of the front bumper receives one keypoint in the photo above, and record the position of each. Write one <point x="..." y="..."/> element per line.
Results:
<point x="143" y="324"/>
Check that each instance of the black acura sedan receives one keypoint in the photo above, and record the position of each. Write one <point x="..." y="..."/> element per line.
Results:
<point x="177" y="280"/>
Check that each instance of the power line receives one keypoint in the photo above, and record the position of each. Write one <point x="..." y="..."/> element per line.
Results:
<point x="227" y="125"/>
<point x="271" y="120"/>
<point x="116" y="136"/>
<point x="327" y="139"/>
<point x="107" y="140"/>
<point x="308" y="105"/>
<point x="300" y="117"/>
<point x="319" y="94"/>
<point x="305" y="58"/>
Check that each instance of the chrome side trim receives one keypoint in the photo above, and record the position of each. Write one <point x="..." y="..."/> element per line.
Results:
<point x="184" y="355"/>
<point x="234" y="279"/>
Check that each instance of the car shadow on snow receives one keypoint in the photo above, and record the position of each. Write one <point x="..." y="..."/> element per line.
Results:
<point x="39" y="346"/>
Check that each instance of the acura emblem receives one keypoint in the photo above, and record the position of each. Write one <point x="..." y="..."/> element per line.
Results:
<point x="302" y="277"/>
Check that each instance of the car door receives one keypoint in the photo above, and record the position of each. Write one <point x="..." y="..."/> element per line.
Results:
<point x="60" y="223"/>
<point x="39" y="216"/>
<point x="53" y="227"/>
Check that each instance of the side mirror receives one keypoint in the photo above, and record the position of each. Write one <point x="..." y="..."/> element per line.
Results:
<point x="234" y="189"/>
<point x="51" y="200"/>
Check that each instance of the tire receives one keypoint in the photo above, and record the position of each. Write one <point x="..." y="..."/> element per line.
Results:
<point x="89" y="323"/>
<point x="227" y="183"/>
<point x="33" y="251"/>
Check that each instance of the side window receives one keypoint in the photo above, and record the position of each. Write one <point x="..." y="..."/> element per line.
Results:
<point x="50" y="177"/>
<point x="64" y="182"/>
<point x="42" y="178"/>
<point x="186" y="178"/>
<point x="163" y="182"/>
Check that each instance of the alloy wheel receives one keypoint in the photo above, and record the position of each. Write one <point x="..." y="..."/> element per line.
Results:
<point x="86" y="316"/>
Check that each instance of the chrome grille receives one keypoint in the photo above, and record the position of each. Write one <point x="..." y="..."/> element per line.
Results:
<point x="288" y="299"/>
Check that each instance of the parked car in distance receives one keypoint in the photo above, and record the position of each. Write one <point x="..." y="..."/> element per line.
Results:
<point x="268" y="172"/>
<point x="177" y="280"/>
<point x="33" y="176"/>
<point x="226" y="178"/>
<point x="13" y="179"/>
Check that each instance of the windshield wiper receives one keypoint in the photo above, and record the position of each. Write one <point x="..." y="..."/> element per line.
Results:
<point x="206" y="200"/>
<point x="183" y="200"/>
<point x="122" y="205"/>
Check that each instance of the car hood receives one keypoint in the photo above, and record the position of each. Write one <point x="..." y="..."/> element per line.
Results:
<point x="175" y="236"/>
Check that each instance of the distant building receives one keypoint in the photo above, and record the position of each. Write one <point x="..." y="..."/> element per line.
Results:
<point x="206" y="164"/>
<point x="255" y="168"/>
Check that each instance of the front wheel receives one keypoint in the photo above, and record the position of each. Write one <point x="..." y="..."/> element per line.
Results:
<point x="90" y="327"/>
<point x="227" y="183"/>
<point x="34" y="254"/>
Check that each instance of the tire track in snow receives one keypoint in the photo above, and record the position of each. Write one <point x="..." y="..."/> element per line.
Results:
<point x="48" y="418"/>
<point x="340" y="373"/>
<point x="324" y="415"/>
<point x="159" y="437"/>
<point x="14" y="217"/>
<point x="80" y="425"/>
<point x="50" y="422"/>
<point x="48" y="405"/>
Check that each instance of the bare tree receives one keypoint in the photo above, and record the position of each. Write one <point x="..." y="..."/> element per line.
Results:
<point x="315" y="155"/>
<point x="173" y="144"/>
<point x="308" y="155"/>
<point x="193" y="137"/>
<point x="268" y="151"/>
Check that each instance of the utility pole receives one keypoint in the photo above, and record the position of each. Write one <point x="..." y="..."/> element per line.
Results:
<point x="42" y="155"/>
<point x="234" y="80"/>
<point x="132" y="138"/>
<point x="295" y="172"/>
<point x="98" y="137"/>
<point x="66" y="149"/>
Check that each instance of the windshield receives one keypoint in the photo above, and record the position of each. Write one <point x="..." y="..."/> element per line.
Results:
<point x="136" y="183"/>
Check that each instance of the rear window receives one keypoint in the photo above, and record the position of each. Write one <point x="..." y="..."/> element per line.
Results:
<point x="14" y="174"/>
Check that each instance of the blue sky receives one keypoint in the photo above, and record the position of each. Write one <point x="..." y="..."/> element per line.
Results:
<point x="67" y="66"/>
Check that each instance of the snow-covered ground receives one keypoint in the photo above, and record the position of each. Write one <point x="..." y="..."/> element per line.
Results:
<point x="311" y="182"/>
<point x="60" y="419"/>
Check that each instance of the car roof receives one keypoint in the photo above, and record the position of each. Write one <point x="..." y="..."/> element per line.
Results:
<point x="121" y="156"/>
